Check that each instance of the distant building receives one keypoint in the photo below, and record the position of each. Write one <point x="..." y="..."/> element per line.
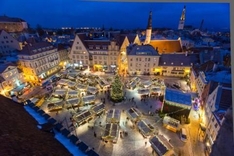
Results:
<point x="11" y="24"/>
<point x="63" y="52"/>
<point x="8" y="44"/>
<point x="38" y="61"/>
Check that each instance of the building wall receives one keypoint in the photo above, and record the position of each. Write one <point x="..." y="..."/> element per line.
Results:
<point x="40" y="65"/>
<point x="113" y="56"/>
<point x="12" y="78"/>
<point x="201" y="83"/>
<point x="193" y="81"/>
<point x="142" y="64"/>
<point x="174" y="71"/>
<point x="13" y="26"/>
<point x="79" y="55"/>
<point x="63" y="58"/>
<point x="8" y="43"/>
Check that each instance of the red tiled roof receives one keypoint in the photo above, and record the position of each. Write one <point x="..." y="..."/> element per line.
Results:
<point x="166" y="46"/>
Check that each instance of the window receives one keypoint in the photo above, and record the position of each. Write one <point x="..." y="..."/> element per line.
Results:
<point x="216" y="125"/>
<point x="148" y="59"/>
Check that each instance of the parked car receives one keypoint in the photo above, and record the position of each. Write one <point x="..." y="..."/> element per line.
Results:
<point x="183" y="135"/>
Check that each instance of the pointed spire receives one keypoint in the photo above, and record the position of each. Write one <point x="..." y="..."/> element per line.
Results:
<point x="149" y="26"/>
<point x="182" y="18"/>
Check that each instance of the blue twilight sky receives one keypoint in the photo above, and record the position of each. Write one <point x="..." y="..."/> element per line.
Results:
<point x="123" y="15"/>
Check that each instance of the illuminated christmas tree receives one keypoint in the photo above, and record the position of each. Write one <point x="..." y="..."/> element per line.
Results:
<point x="116" y="92"/>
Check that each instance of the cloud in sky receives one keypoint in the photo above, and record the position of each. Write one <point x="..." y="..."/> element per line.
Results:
<point x="76" y="13"/>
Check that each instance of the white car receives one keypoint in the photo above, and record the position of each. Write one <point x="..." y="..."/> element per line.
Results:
<point x="183" y="135"/>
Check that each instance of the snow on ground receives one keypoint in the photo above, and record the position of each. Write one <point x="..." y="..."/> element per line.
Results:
<point x="73" y="149"/>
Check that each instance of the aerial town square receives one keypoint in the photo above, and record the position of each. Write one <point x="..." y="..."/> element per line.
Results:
<point x="116" y="92"/>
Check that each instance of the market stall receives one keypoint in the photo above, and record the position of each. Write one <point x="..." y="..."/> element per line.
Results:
<point x="73" y="102"/>
<point x="72" y="94"/>
<point x="161" y="145"/>
<point x="143" y="91"/>
<point x="89" y="99"/>
<point x="111" y="133"/>
<point x="81" y="87"/>
<point x="55" y="106"/>
<point x="134" y="114"/>
<point x="155" y="91"/>
<point x="113" y="116"/>
<point x="146" y="84"/>
<point x="82" y="117"/>
<point x="145" y="128"/>
<point x="98" y="108"/>
<point x="60" y="93"/>
<point x="171" y="124"/>
<point x="92" y="90"/>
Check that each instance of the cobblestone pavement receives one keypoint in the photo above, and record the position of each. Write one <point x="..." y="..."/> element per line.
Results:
<point x="134" y="143"/>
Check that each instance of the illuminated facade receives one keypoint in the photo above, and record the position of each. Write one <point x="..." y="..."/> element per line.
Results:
<point x="10" y="78"/>
<point x="79" y="54"/>
<point x="218" y="102"/>
<point x="38" y="61"/>
<point x="142" y="59"/>
<point x="10" y="24"/>
<point x="8" y="43"/>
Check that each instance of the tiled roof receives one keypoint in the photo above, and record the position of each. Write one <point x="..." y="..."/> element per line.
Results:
<point x="225" y="99"/>
<point x="20" y="134"/>
<point x="178" y="59"/>
<point x="35" y="48"/>
<point x="205" y="67"/>
<point x="142" y="50"/>
<point x="166" y="46"/>
<point x="10" y="19"/>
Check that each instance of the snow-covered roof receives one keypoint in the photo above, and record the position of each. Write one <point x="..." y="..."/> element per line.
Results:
<point x="179" y="97"/>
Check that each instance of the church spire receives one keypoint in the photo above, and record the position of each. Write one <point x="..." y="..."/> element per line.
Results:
<point x="149" y="26"/>
<point x="149" y="29"/>
<point x="182" y="19"/>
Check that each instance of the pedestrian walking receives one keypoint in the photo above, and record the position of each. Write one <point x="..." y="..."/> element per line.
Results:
<point x="145" y="143"/>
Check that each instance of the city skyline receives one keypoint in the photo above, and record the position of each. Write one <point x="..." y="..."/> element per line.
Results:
<point x="118" y="15"/>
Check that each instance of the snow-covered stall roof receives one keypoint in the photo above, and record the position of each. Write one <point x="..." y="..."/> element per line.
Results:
<point x="143" y="91"/>
<point x="73" y="93"/>
<point x="111" y="132"/>
<point x="147" y="83"/>
<point x="88" y="99"/>
<point x="113" y="116"/>
<point x="81" y="87"/>
<point x="92" y="90"/>
<point x="134" y="113"/>
<point x="82" y="116"/>
<point x="98" y="108"/>
<point x="60" y="92"/>
<point x="145" y="127"/>
<point x="73" y="101"/>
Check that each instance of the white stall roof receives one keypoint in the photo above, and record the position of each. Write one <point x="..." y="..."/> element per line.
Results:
<point x="60" y="92"/>
<point x="73" y="101"/>
<point x="89" y="98"/>
<point x="143" y="91"/>
<point x="92" y="90"/>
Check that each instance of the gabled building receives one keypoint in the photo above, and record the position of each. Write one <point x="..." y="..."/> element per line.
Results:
<point x="218" y="102"/>
<point x="8" y="43"/>
<point x="142" y="59"/>
<point x="79" y="55"/>
<point x="178" y="65"/>
<point x="12" y="24"/>
<point x="38" y="61"/>
<point x="10" y="78"/>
